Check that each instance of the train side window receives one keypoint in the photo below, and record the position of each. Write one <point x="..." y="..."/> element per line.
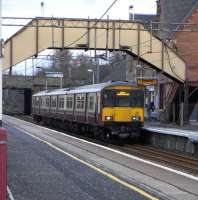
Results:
<point x="47" y="102"/>
<point x="37" y="101"/>
<point x="69" y="102"/>
<point x="91" y="103"/>
<point x="42" y="102"/>
<point x="61" y="102"/>
<point x="80" y="102"/>
<point x="53" y="103"/>
<point x="33" y="102"/>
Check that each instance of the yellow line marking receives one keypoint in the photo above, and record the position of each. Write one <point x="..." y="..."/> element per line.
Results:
<point x="110" y="176"/>
<point x="195" y="178"/>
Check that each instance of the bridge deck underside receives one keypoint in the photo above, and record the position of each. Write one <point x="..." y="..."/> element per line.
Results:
<point x="45" y="33"/>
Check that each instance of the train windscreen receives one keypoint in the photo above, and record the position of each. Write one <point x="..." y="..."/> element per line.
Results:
<point x="123" y="98"/>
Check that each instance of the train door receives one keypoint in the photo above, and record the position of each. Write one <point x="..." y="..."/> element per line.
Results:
<point x="91" y="108"/>
<point x="86" y="106"/>
<point x="97" y="107"/>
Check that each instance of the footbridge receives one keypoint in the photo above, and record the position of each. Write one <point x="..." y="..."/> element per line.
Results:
<point x="60" y="33"/>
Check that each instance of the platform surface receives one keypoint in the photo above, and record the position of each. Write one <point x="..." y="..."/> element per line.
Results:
<point x="190" y="132"/>
<point x="37" y="170"/>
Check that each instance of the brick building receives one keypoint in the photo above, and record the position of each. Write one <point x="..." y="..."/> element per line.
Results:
<point x="185" y="37"/>
<point x="170" y="17"/>
<point x="178" y="23"/>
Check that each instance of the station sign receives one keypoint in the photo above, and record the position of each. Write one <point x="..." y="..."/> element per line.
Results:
<point x="146" y="82"/>
<point x="54" y="74"/>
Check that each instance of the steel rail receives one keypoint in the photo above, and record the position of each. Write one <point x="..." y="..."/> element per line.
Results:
<point x="181" y="161"/>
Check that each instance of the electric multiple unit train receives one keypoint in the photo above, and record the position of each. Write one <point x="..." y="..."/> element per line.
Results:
<point x="111" y="109"/>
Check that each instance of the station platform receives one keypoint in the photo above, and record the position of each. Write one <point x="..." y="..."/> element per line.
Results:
<point x="172" y="137"/>
<point x="40" y="159"/>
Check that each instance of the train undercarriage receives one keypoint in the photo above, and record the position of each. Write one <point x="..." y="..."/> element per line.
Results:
<point x="107" y="132"/>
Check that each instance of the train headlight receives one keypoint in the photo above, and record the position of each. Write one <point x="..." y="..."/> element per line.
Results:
<point x="108" y="118"/>
<point x="135" y="118"/>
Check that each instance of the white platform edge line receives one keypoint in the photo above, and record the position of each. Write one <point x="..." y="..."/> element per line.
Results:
<point x="192" y="136"/>
<point x="10" y="193"/>
<point x="119" y="152"/>
<point x="173" y="130"/>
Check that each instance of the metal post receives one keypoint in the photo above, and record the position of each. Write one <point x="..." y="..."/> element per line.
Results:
<point x="182" y="114"/>
<point x="3" y="140"/>
<point x="97" y="71"/>
<point x="45" y="83"/>
<point x="61" y="82"/>
<point x="70" y="74"/>
<point x="181" y="106"/>
<point x="32" y="68"/>
<point x="125" y="69"/>
<point x="151" y="36"/>
<point x="93" y="77"/>
<point x="25" y="68"/>
<point x="174" y="113"/>
<point x="1" y="64"/>
<point x="186" y="103"/>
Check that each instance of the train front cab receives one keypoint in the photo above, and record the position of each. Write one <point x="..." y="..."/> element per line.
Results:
<point x="123" y="110"/>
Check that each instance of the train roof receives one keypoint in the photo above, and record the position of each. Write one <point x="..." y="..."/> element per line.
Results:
<point x="83" y="89"/>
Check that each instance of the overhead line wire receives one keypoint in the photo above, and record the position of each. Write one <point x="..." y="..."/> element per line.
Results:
<point x="93" y="24"/>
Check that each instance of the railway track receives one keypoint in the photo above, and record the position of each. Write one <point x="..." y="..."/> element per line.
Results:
<point x="175" y="160"/>
<point x="183" y="162"/>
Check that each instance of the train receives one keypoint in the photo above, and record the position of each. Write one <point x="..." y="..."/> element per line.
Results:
<point x="114" y="109"/>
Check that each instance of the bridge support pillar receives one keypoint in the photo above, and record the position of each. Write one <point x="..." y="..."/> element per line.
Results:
<point x="186" y="102"/>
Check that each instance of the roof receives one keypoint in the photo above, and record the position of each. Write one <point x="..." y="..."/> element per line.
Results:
<point x="175" y="12"/>
<point x="83" y="89"/>
<point x="53" y="92"/>
<point x="146" y="19"/>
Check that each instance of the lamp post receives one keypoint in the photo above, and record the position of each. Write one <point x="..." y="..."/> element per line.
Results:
<point x="131" y="10"/>
<point x="93" y="76"/>
<point x="45" y="76"/>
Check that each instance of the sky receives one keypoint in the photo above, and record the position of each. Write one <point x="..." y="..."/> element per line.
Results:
<point x="76" y="8"/>
<point x="71" y="9"/>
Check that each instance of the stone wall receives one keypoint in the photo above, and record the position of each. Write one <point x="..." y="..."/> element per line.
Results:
<point x="29" y="82"/>
<point x="13" y="101"/>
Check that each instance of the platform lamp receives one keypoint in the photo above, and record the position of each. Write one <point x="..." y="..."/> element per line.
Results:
<point x="131" y="11"/>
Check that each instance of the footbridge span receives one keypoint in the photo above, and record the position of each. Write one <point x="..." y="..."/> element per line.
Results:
<point x="52" y="33"/>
